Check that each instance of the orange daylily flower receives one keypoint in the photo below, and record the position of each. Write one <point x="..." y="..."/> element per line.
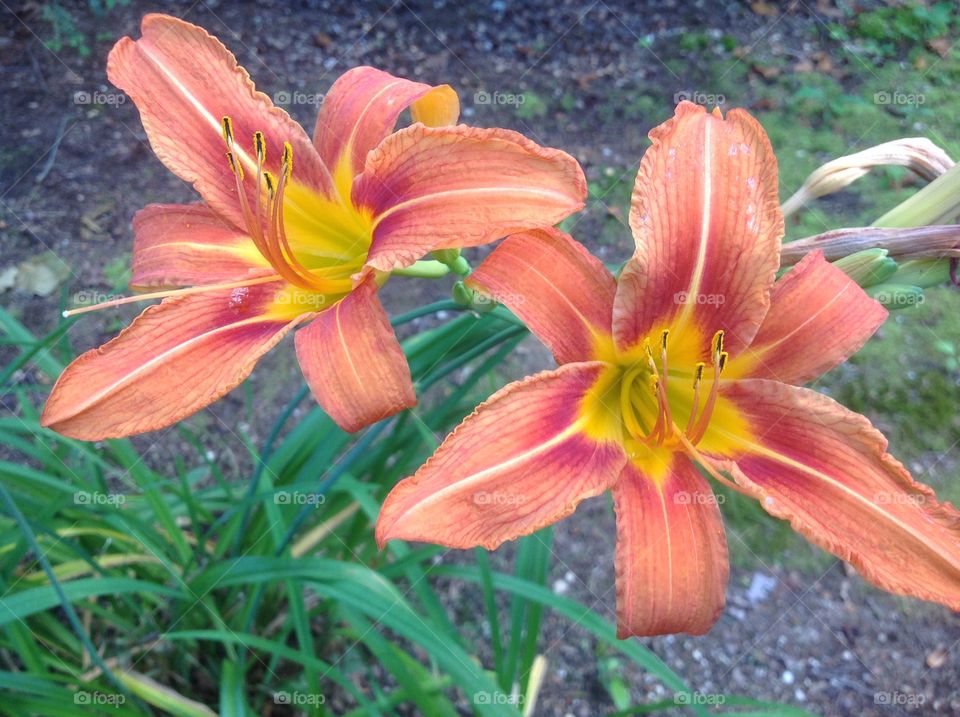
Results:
<point x="691" y="358"/>
<point x="291" y="231"/>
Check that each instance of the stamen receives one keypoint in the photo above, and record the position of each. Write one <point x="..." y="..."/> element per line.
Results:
<point x="718" y="342"/>
<point x="719" y="361"/>
<point x="235" y="166"/>
<point x="260" y="147"/>
<point x="697" y="378"/>
<point x="226" y="125"/>
<point x="287" y="161"/>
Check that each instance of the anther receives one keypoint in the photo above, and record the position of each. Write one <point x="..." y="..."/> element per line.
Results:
<point x="235" y="166"/>
<point x="718" y="342"/>
<point x="722" y="361"/>
<point x="226" y="125"/>
<point x="260" y="146"/>
<point x="271" y="185"/>
<point x="287" y="161"/>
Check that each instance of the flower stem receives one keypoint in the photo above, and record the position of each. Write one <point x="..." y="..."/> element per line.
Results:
<point x="427" y="269"/>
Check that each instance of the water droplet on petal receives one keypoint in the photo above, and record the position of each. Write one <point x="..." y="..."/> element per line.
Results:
<point x="672" y="152"/>
<point x="752" y="182"/>
<point x="240" y="298"/>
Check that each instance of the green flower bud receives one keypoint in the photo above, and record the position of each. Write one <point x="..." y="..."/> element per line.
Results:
<point x="868" y="267"/>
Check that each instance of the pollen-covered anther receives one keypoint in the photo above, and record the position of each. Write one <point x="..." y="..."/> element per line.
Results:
<point x="719" y="358"/>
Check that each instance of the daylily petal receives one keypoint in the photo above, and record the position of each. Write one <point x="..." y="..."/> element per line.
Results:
<point x="362" y="108"/>
<point x="672" y="564"/>
<point x="707" y="223"/>
<point x="561" y="292"/>
<point x="826" y="470"/>
<point x="175" y="358"/>
<point x="184" y="81"/>
<point x="435" y="188"/>
<point x="190" y="245"/>
<point x="517" y="464"/>
<point x="818" y="318"/>
<point x="353" y="362"/>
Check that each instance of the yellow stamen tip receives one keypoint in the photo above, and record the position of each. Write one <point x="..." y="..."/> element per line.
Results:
<point x="718" y="342"/>
<point x="663" y="339"/>
<point x="226" y="125"/>
<point x="260" y="146"/>
<point x="723" y="359"/>
<point x="698" y="372"/>
<point x="288" y="158"/>
<point x="271" y="185"/>
<point x="235" y="165"/>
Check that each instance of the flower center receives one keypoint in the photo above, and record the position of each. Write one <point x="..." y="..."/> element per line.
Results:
<point x="656" y="399"/>
<point x="314" y="243"/>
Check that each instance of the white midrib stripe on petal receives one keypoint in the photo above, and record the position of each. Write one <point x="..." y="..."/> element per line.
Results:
<point x="214" y="123"/>
<point x="479" y="476"/>
<point x="475" y="190"/>
<point x="706" y="208"/>
<point x="126" y="379"/>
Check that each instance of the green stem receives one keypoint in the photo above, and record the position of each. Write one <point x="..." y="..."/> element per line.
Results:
<point x="425" y="269"/>
<point x="936" y="203"/>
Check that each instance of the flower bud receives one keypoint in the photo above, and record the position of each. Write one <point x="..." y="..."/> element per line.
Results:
<point x="868" y="267"/>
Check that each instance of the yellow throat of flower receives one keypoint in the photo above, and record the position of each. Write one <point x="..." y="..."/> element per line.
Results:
<point x="315" y="243"/>
<point x="662" y="397"/>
